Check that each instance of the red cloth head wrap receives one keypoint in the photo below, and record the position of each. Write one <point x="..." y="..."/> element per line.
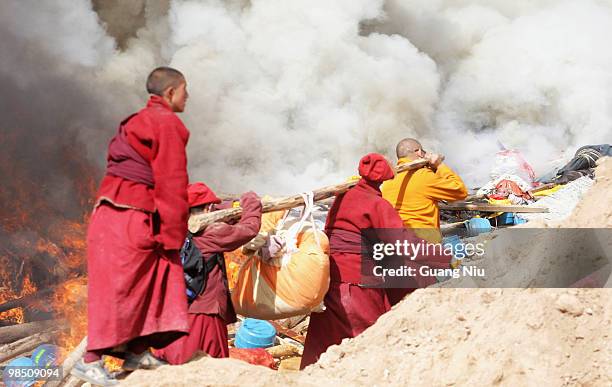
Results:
<point x="198" y="194"/>
<point x="374" y="167"/>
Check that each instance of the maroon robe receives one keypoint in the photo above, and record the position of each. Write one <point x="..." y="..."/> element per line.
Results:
<point x="136" y="287"/>
<point x="350" y="309"/>
<point x="212" y="310"/>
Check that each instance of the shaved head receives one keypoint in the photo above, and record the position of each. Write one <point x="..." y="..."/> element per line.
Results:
<point x="162" y="78"/>
<point x="407" y="147"/>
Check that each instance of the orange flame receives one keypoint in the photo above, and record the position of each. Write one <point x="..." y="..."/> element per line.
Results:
<point x="70" y="303"/>
<point x="8" y="293"/>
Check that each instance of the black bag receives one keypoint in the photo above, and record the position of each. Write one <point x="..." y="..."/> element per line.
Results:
<point x="583" y="163"/>
<point x="196" y="269"/>
<point x="586" y="157"/>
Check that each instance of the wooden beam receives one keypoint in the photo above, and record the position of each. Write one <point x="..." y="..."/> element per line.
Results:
<point x="198" y="222"/>
<point x="450" y="226"/>
<point x="27" y="344"/>
<point x="15" y="332"/>
<point x="485" y="207"/>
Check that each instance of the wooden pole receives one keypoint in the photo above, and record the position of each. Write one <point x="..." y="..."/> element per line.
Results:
<point x="198" y="222"/>
<point x="27" y="344"/>
<point x="485" y="207"/>
<point x="450" y="226"/>
<point x="15" y="332"/>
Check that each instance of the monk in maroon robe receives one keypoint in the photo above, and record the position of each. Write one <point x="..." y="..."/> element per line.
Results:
<point x="351" y="308"/>
<point x="212" y="310"/>
<point x="136" y="290"/>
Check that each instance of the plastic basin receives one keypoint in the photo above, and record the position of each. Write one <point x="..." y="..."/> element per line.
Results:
<point x="255" y="333"/>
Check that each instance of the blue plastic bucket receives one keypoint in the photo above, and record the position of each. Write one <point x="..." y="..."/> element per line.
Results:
<point x="46" y="355"/>
<point x="20" y="364"/>
<point x="477" y="226"/>
<point x="255" y="333"/>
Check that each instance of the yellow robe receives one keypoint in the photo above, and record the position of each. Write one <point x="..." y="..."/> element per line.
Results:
<point x="415" y="196"/>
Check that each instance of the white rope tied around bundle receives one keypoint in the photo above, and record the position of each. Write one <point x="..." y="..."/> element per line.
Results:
<point x="291" y="234"/>
<point x="309" y="209"/>
<point x="590" y="155"/>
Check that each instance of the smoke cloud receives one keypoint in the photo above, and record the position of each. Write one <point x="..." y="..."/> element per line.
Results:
<point x="49" y="103"/>
<point x="287" y="96"/>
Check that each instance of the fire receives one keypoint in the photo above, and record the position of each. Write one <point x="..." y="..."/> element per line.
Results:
<point x="70" y="303"/>
<point x="7" y="293"/>
<point x="43" y="228"/>
<point x="113" y="364"/>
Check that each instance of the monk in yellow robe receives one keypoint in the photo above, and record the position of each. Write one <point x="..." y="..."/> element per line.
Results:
<point x="415" y="194"/>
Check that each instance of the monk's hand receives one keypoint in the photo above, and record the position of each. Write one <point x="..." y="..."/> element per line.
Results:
<point x="434" y="159"/>
<point x="248" y="198"/>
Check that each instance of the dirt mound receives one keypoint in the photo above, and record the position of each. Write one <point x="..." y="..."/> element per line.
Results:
<point x="457" y="336"/>
<point x="219" y="372"/>
<point x="595" y="209"/>
<point x="483" y="337"/>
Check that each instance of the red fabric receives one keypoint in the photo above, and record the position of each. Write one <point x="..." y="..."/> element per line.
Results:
<point x="375" y="168"/>
<point x="504" y="188"/>
<point x="255" y="356"/>
<point x="135" y="289"/>
<point x="198" y="194"/>
<point x="207" y="333"/>
<point x="362" y="207"/>
<point x="219" y="238"/>
<point x="349" y="311"/>
<point x="124" y="161"/>
<point x="212" y="310"/>
<point x="344" y="241"/>
<point x="159" y="136"/>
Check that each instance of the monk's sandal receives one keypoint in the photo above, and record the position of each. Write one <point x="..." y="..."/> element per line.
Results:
<point x="144" y="361"/>
<point x="93" y="373"/>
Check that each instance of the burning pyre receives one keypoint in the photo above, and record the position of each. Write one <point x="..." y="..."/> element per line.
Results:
<point x="43" y="224"/>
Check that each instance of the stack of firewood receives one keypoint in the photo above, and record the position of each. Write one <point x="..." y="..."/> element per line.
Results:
<point x="21" y="339"/>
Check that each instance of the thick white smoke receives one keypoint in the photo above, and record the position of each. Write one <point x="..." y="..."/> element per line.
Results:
<point x="287" y="96"/>
<point x="540" y="83"/>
